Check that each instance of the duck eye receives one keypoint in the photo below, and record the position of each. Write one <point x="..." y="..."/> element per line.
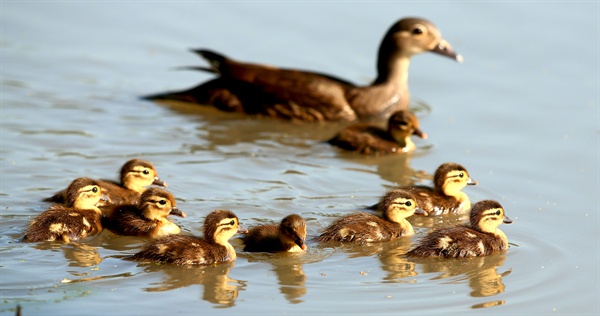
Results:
<point x="417" y="31"/>
<point x="498" y="212"/>
<point x="162" y="202"/>
<point x="408" y="203"/>
<point x="146" y="171"/>
<point x="461" y="175"/>
<point x="232" y="222"/>
<point x="95" y="189"/>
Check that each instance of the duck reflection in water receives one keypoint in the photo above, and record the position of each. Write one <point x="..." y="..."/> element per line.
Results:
<point x="78" y="254"/>
<point x="219" y="288"/>
<point x="288" y="269"/>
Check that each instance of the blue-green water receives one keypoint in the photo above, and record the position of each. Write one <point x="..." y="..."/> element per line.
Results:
<point x="521" y="114"/>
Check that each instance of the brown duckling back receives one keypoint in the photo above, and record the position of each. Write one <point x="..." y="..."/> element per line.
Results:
<point x="481" y="237"/>
<point x="219" y="227"/>
<point x="288" y="236"/>
<point x="146" y="219"/>
<point x="79" y="219"/>
<point x="310" y="96"/>
<point x="369" y="139"/>
<point x="363" y="227"/>
<point x="135" y="176"/>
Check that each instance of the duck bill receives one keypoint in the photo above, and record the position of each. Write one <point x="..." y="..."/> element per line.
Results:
<point x="420" y="211"/>
<point x="507" y="220"/>
<point x="158" y="181"/>
<point x="472" y="182"/>
<point x="445" y="49"/>
<point x="300" y="242"/>
<point x="242" y="230"/>
<point x="420" y="133"/>
<point x="177" y="212"/>
<point x="103" y="201"/>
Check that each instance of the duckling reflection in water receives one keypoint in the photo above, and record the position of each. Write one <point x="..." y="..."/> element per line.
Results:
<point x="79" y="219"/>
<point x="480" y="238"/>
<point x="369" y="139"/>
<point x="363" y="227"/>
<point x="309" y="96"/>
<point x="288" y="236"/>
<point x="135" y="176"/>
<point x="446" y="196"/>
<point x="148" y="219"/>
<point x="219" y="227"/>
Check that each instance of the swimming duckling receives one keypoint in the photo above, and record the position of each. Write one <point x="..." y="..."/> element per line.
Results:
<point x="368" y="139"/>
<point x="363" y="227"/>
<point x="311" y="96"/>
<point x="78" y="219"/>
<point x="136" y="175"/>
<point x="446" y="196"/>
<point x="219" y="227"/>
<point x="148" y="218"/>
<point x="480" y="238"/>
<point x="288" y="236"/>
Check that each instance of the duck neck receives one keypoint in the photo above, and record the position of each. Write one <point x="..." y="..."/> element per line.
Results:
<point x="224" y="241"/>
<point x="392" y="71"/>
<point x="403" y="141"/>
<point x="86" y="205"/>
<point x="407" y="228"/>
<point x="502" y="236"/>
<point x="133" y="185"/>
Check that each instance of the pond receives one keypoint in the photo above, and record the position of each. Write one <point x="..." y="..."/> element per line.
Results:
<point x="521" y="114"/>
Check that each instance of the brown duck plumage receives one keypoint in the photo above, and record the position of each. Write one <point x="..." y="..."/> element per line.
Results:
<point x="135" y="176"/>
<point x="148" y="218"/>
<point x="446" y="195"/>
<point x="219" y="227"/>
<point x="78" y="219"/>
<point x="363" y="227"/>
<point x="481" y="237"/>
<point x="288" y="236"/>
<point x="311" y="96"/>
<point x="370" y="139"/>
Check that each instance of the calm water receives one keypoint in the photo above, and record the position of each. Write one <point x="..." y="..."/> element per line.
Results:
<point x="521" y="114"/>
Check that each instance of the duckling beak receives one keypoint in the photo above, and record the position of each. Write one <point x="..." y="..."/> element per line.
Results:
<point x="472" y="182"/>
<point x="444" y="48"/>
<point x="507" y="220"/>
<point x="242" y="230"/>
<point x="420" y="133"/>
<point x="420" y="211"/>
<point x="177" y="212"/>
<point x="104" y="200"/>
<point x="300" y="242"/>
<point x="158" y="181"/>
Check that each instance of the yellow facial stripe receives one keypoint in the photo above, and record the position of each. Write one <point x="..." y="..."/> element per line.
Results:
<point x="494" y="212"/>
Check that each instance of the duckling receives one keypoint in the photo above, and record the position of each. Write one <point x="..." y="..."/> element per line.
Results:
<point x="78" y="219"/>
<point x="480" y="238"/>
<point x="148" y="218"/>
<point x="363" y="227"/>
<point x="446" y="196"/>
<point x="311" y="96"/>
<point x="368" y="139"/>
<point x="219" y="227"/>
<point x="289" y="236"/>
<point x="136" y="175"/>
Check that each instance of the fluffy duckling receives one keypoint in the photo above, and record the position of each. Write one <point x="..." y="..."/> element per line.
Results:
<point x="310" y="96"/>
<point x="146" y="219"/>
<point x="446" y="195"/>
<point x="480" y="238"/>
<point x="78" y="219"/>
<point x="363" y="227"/>
<point x="369" y="139"/>
<point x="136" y="175"/>
<point x="219" y="227"/>
<point x="289" y="236"/>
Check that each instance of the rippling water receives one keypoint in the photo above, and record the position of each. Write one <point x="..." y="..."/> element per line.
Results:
<point x="521" y="114"/>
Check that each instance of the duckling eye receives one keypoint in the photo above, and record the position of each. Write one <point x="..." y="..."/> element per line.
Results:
<point x="232" y="222"/>
<point x="417" y="31"/>
<point x="461" y="175"/>
<point x="146" y="171"/>
<point x="408" y="203"/>
<point x="498" y="212"/>
<point x="162" y="202"/>
<point x="95" y="189"/>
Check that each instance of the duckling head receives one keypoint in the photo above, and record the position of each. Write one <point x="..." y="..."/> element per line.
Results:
<point x="157" y="204"/>
<point x="451" y="178"/>
<point x="401" y="125"/>
<point x="398" y="204"/>
<point x="411" y="36"/>
<point x="220" y="226"/>
<point x="487" y="215"/>
<point x="293" y="228"/>
<point x="137" y="174"/>
<point x="84" y="193"/>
